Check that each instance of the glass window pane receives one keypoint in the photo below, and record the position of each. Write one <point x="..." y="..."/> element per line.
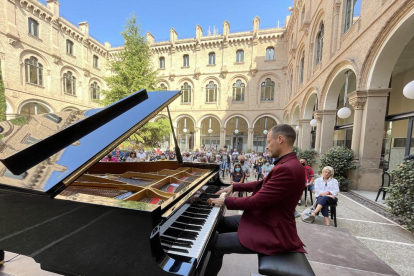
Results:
<point x="33" y="75"/>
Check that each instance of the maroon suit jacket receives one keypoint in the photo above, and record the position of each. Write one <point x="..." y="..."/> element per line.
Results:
<point x="268" y="224"/>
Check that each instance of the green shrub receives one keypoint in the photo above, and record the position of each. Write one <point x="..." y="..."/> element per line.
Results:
<point x="341" y="159"/>
<point x="401" y="194"/>
<point x="308" y="154"/>
<point x="295" y="149"/>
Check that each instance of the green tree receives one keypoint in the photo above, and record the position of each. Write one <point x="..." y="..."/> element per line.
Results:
<point x="2" y="99"/>
<point x="150" y="135"/>
<point x="131" y="68"/>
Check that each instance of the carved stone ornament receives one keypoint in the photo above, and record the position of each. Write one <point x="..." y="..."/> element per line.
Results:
<point x="357" y="103"/>
<point x="56" y="59"/>
<point x="12" y="41"/>
<point x="253" y="71"/>
<point x="86" y="73"/>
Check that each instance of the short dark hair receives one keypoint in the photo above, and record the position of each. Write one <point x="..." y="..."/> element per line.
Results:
<point x="285" y="130"/>
<point x="304" y="159"/>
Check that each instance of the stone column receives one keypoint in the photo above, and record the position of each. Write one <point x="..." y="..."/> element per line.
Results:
<point x="222" y="137"/>
<point x="372" y="128"/>
<point x="326" y="130"/>
<point x="357" y="99"/>
<point x="250" y="134"/>
<point x="304" y="134"/>
<point x="317" y="115"/>
<point x="197" y="138"/>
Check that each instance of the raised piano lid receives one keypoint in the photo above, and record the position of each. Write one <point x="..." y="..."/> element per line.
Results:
<point x="54" y="149"/>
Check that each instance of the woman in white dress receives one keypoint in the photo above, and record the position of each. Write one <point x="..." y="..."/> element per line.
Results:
<point x="326" y="190"/>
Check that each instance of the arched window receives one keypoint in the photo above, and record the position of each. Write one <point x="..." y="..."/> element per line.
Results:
<point x="211" y="58"/>
<point x="69" y="83"/>
<point x="33" y="108"/>
<point x="163" y="87"/>
<point x="268" y="90"/>
<point x="186" y="60"/>
<point x="270" y="53"/>
<point x="238" y="91"/>
<point x="319" y="44"/>
<point x="302" y="68"/>
<point x="34" y="71"/>
<point x="186" y="93"/>
<point x="240" y="56"/>
<point x="211" y="92"/>
<point x="162" y="62"/>
<point x="95" y="91"/>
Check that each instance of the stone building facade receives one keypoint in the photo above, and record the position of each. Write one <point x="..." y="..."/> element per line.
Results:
<point x="232" y="85"/>
<point x="48" y="64"/>
<point x="357" y="54"/>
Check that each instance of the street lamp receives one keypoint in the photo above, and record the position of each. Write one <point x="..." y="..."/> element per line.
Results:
<point x="265" y="130"/>
<point x="345" y="112"/>
<point x="297" y="132"/>
<point x="408" y="90"/>
<point x="185" y="130"/>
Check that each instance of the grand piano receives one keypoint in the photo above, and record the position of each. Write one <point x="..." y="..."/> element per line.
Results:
<point x="76" y="215"/>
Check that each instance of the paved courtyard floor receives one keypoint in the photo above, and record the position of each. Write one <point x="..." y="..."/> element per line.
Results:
<point x="386" y="239"/>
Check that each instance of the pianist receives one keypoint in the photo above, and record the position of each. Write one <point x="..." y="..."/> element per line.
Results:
<point x="267" y="225"/>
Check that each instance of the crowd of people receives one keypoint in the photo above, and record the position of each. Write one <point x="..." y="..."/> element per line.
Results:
<point x="241" y="168"/>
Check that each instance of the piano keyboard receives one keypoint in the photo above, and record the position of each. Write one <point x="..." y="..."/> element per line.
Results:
<point x="187" y="231"/>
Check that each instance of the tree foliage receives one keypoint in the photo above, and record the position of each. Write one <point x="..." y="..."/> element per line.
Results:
<point x="341" y="160"/>
<point x="150" y="135"/>
<point x="131" y="68"/>
<point x="3" y="106"/>
<point x="401" y="193"/>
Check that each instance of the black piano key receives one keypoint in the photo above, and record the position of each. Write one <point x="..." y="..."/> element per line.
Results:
<point x="178" y="250"/>
<point x="195" y="215"/>
<point x="199" y="211"/>
<point x="178" y="243"/>
<point x="186" y="226"/>
<point x="170" y="240"/>
<point x="181" y="234"/>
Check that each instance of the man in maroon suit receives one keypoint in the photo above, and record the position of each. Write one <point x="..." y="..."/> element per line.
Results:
<point x="267" y="225"/>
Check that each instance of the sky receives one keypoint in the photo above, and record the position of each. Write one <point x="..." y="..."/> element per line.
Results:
<point x="107" y="18"/>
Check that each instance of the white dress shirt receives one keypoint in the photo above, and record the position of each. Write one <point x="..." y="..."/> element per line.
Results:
<point x="331" y="186"/>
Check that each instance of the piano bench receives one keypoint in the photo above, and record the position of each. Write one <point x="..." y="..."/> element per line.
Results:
<point x="288" y="264"/>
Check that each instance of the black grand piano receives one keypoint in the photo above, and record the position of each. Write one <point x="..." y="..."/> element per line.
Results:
<point x="76" y="215"/>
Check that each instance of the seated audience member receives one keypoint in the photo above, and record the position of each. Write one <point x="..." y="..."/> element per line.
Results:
<point x="163" y="157"/>
<point x="171" y="156"/>
<point x="187" y="157"/>
<point x="218" y="159"/>
<point x="118" y="154"/>
<point x="237" y="176"/>
<point x="326" y="189"/>
<point x="142" y="156"/>
<point x="132" y="157"/>
<point x="310" y="176"/>
<point x="202" y="159"/>
<point x="110" y="158"/>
